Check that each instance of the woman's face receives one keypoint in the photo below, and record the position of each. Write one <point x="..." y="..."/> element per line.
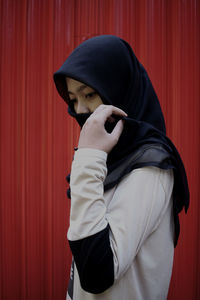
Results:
<point x="85" y="99"/>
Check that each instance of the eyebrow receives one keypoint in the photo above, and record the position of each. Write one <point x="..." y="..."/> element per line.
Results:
<point x="80" y="88"/>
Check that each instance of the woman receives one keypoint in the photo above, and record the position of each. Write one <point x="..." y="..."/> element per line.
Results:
<point x="127" y="182"/>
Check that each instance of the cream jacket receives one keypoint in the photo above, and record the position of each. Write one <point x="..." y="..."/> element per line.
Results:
<point x="140" y="217"/>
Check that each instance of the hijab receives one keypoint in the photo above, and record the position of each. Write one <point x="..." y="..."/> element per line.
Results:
<point x="108" y="64"/>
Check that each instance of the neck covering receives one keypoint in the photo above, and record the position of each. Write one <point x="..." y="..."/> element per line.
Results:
<point x="108" y="65"/>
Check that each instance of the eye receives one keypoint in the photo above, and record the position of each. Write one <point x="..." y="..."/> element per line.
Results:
<point x="90" y="95"/>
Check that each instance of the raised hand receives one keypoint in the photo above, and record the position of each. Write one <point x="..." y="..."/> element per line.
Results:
<point x="93" y="133"/>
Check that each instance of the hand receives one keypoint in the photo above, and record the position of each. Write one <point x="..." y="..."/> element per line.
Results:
<point x="93" y="133"/>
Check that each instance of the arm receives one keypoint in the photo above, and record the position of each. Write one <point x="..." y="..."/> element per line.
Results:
<point x="95" y="277"/>
<point x="88" y="233"/>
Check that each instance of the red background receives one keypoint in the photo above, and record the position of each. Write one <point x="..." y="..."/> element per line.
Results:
<point x="37" y="136"/>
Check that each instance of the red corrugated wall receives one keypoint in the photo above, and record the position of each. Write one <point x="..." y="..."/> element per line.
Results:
<point x="37" y="136"/>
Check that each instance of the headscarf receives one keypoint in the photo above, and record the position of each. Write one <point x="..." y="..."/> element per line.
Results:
<point x="108" y="65"/>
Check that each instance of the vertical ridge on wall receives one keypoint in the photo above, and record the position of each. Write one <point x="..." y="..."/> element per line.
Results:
<point x="22" y="149"/>
<point x="38" y="137"/>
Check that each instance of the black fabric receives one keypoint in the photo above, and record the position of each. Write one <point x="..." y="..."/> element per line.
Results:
<point x="94" y="261"/>
<point x="70" y="289"/>
<point x="107" y="64"/>
<point x="148" y="154"/>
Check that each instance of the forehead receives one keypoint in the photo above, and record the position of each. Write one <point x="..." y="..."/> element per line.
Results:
<point x="74" y="85"/>
<point x="71" y="81"/>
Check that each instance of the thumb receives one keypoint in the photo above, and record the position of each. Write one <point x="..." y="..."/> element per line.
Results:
<point x="117" y="130"/>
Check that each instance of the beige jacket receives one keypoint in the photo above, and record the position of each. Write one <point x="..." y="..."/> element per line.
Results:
<point x="139" y="213"/>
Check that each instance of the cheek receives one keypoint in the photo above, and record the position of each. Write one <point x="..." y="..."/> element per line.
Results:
<point x="92" y="104"/>
<point x="96" y="105"/>
<point x="97" y="102"/>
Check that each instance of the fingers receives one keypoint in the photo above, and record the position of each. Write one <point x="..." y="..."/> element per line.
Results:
<point x="104" y="112"/>
<point x="94" y="134"/>
<point x="117" y="130"/>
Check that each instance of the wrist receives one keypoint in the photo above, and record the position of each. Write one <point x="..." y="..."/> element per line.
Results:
<point x="89" y="152"/>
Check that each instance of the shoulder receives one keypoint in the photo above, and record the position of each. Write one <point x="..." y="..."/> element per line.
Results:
<point x="145" y="187"/>
<point x="150" y="174"/>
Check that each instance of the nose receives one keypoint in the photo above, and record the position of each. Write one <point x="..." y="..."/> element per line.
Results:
<point x="81" y="107"/>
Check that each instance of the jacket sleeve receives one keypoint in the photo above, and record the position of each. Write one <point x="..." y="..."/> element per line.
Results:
<point x="105" y="233"/>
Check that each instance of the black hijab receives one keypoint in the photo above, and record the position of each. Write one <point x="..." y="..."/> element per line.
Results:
<point x="108" y="65"/>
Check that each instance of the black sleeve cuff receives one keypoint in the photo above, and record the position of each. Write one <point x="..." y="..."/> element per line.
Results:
<point x="94" y="261"/>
